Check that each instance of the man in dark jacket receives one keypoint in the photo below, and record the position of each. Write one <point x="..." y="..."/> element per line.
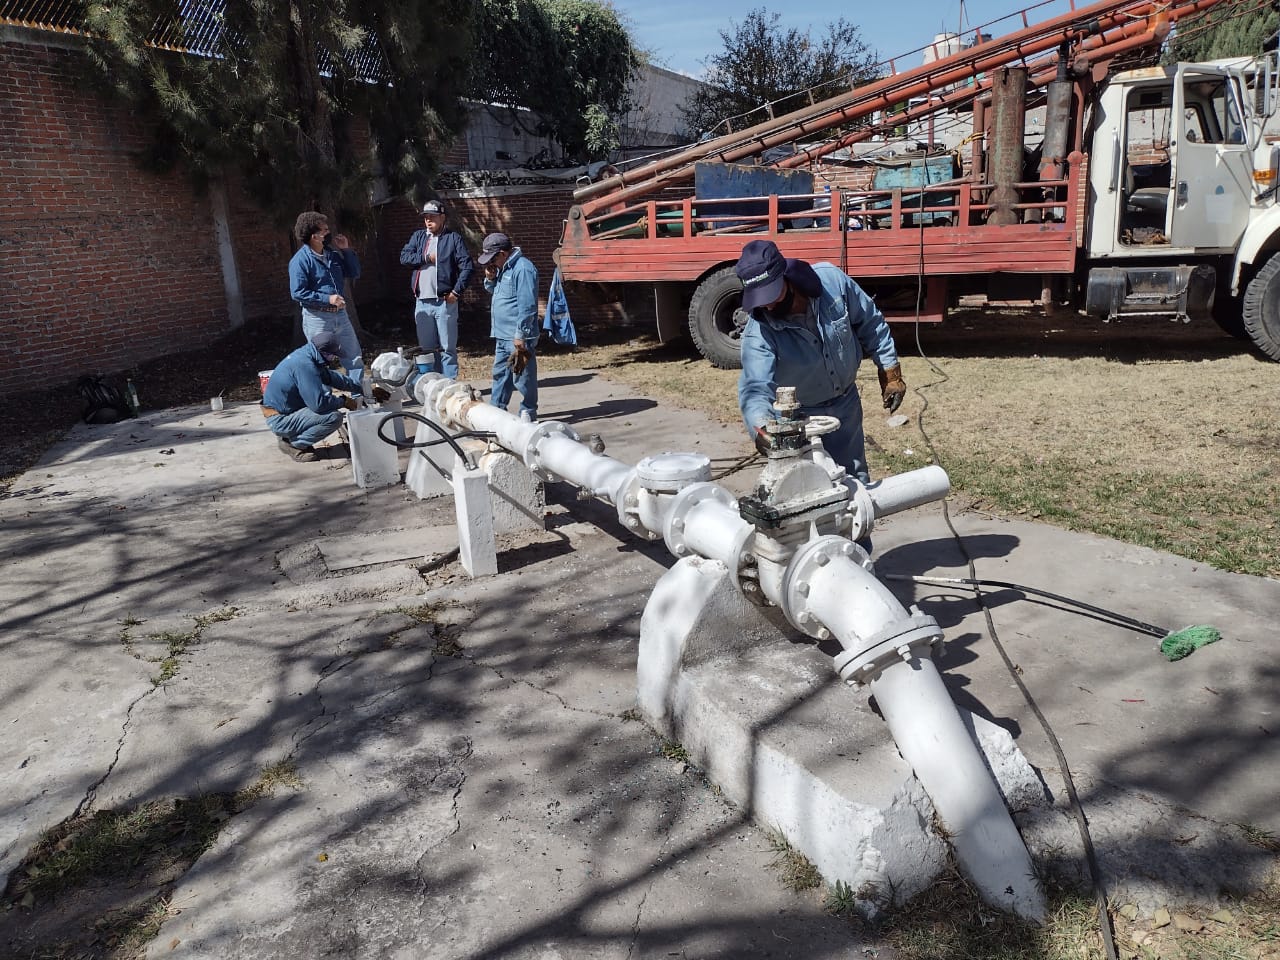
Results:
<point x="442" y="267"/>
<point x="299" y="404"/>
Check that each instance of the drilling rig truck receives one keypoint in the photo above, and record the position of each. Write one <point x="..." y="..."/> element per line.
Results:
<point x="1151" y="191"/>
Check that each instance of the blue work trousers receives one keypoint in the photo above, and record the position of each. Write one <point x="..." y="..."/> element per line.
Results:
<point x="305" y="427"/>
<point x="339" y="324"/>
<point x="846" y="446"/>
<point x="437" y="323"/>
<point x="504" y="379"/>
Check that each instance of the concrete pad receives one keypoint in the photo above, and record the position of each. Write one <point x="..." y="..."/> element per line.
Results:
<point x="474" y="505"/>
<point x="553" y="827"/>
<point x="518" y="496"/>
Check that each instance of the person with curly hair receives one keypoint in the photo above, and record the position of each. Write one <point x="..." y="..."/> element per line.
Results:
<point x="317" y="275"/>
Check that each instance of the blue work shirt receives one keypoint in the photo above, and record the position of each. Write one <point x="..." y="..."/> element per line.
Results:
<point x="821" y="365"/>
<point x="303" y="379"/>
<point x="514" y="313"/>
<point x="313" y="277"/>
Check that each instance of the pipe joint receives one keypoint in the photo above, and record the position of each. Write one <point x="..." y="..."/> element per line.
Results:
<point x="703" y="519"/>
<point x="798" y="580"/>
<point x="899" y="642"/>
<point x="544" y="429"/>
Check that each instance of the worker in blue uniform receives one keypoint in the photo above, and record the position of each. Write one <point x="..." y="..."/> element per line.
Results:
<point x="810" y="327"/>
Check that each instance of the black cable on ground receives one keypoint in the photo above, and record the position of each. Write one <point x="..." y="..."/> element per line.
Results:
<point x="1113" y="616"/>
<point x="1077" y="809"/>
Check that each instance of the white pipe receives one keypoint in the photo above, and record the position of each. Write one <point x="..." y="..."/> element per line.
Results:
<point x="823" y="588"/>
<point x="855" y="607"/>
<point x="604" y="476"/>
<point x="931" y="737"/>
<point x="911" y="489"/>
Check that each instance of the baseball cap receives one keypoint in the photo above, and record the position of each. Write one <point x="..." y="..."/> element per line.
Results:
<point x="760" y="267"/>
<point x="493" y="243"/>
<point x="326" y="343"/>
<point x="433" y="206"/>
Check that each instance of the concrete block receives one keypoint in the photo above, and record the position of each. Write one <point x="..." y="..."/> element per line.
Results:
<point x="763" y="713"/>
<point x="430" y="474"/>
<point x="477" y="546"/>
<point x="430" y="470"/>
<point x="519" y="497"/>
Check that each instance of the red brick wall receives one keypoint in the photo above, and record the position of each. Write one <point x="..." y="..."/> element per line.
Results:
<point x="102" y="264"/>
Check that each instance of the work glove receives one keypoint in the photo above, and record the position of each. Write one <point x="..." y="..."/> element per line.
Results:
<point x="764" y="441"/>
<point x="350" y="403"/>
<point x="381" y="395"/>
<point x="519" y="359"/>
<point x="892" y="387"/>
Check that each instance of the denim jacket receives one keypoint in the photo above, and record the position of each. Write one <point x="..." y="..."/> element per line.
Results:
<point x="453" y="261"/>
<point x="821" y="368"/>
<point x="302" y="379"/>
<point x="312" y="277"/>
<point x="514" y="314"/>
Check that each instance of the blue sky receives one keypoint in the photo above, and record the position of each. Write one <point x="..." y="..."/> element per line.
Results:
<point x="682" y="33"/>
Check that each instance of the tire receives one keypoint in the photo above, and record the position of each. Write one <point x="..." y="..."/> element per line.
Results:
<point x="716" y="319"/>
<point x="1261" y="308"/>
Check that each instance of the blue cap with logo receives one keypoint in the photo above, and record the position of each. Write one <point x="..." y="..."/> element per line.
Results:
<point x="760" y="268"/>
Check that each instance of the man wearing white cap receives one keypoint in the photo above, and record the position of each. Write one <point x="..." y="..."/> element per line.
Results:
<point x="442" y="268"/>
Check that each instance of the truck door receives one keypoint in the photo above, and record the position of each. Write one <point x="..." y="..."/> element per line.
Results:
<point x="1212" y="165"/>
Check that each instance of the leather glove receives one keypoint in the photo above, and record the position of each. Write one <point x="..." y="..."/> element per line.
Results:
<point x="380" y="395"/>
<point x="519" y="359"/>
<point x="764" y="441"/>
<point x="350" y="403"/>
<point x="892" y="387"/>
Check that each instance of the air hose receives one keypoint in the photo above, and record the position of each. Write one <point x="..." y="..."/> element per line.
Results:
<point x="445" y="436"/>
<point x="1174" y="644"/>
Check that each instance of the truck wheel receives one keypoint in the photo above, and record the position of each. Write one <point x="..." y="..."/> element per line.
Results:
<point x="716" y="319"/>
<point x="1261" y="308"/>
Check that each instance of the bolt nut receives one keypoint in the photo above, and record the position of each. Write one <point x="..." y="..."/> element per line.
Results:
<point x="821" y="559"/>
<point x="677" y="524"/>
<point x="823" y="633"/>
<point x="681" y="550"/>
<point x="802" y="588"/>
<point x="806" y="617"/>
<point x="846" y="549"/>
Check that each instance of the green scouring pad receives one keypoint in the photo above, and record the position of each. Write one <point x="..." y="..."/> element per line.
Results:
<point x="1184" y="642"/>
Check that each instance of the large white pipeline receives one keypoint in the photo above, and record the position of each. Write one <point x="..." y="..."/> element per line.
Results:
<point x="826" y="590"/>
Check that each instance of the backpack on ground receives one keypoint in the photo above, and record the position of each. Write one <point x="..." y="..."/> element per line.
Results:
<point x="102" y="402"/>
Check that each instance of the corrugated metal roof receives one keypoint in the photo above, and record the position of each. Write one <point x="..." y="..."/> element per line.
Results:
<point x="195" y="27"/>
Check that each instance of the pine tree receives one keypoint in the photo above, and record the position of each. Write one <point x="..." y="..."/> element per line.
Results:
<point x="269" y="90"/>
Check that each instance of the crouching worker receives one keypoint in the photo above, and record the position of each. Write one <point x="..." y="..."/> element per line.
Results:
<point x="299" y="403"/>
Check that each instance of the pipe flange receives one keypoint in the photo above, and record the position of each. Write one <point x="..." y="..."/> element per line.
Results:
<point x="422" y="388"/>
<point x="863" y="514"/>
<point x="795" y="582"/>
<point x="672" y="472"/>
<point x="544" y="429"/>
<point x="899" y="642"/>
<point x="682" y="505"/>
<point x="627" y="500"/>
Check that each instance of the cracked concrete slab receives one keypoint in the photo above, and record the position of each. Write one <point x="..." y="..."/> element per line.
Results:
<point x="472" y="787"/>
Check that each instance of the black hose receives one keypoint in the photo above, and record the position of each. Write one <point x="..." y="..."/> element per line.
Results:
<point x="1118" y="618"/>
<point x="445" y="435"/>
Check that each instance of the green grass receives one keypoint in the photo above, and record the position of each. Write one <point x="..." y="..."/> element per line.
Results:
<point x="795" y="870"/>
<point x="113" y="857"/>
<point x="1171" y="512"/>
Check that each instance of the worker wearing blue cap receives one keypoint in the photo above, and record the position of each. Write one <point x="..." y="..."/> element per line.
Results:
<point x="810" y="327"/>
